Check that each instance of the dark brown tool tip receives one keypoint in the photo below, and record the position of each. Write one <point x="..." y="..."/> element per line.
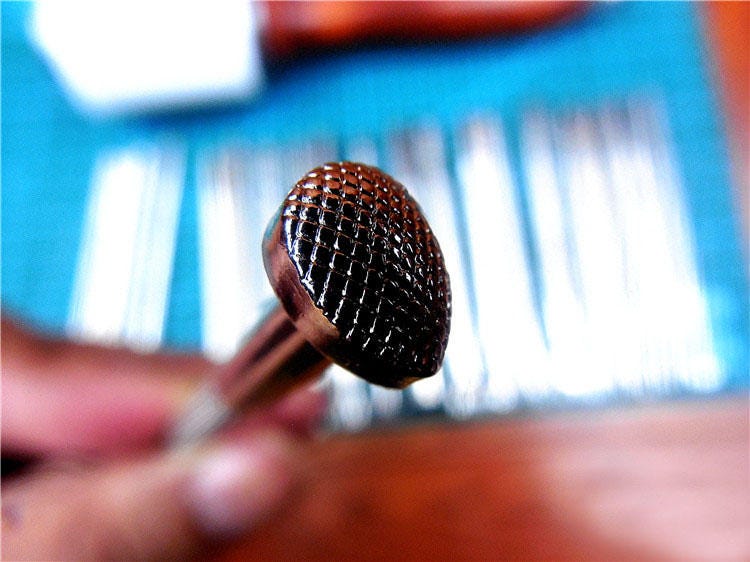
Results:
<point x="360" y="273"/>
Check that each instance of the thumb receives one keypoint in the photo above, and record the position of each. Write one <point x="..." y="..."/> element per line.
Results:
<point x="177" y="505"/>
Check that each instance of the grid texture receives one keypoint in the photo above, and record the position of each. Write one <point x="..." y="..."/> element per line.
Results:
<point x="370" y="263"/>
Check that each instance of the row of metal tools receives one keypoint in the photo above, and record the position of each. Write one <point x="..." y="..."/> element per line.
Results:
<point x="569" y="243"/>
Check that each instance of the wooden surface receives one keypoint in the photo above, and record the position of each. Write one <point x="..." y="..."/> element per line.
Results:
<point x="294" y="27"/>
<point x="656" y="482"/>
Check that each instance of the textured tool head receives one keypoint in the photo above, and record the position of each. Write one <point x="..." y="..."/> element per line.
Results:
<point x="361" y="274"/>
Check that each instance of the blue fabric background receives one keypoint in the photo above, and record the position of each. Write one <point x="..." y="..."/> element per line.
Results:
<point x="48" y="149"/>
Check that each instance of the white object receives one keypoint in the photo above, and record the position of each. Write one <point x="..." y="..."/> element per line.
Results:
<point x="121" y="288"/>
<point x="118" y="56"/>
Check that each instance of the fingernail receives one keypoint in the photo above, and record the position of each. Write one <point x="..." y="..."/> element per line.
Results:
<point x="235" y="487"/>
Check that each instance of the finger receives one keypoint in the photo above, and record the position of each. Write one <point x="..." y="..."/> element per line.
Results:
<point x="302" y="412"/>
<point x="116" y="416"/>
<point x="63" y="398"/>
<point x="60" y="396"/>
<point x="173" y="506"/>
<point x="76" y="412"/>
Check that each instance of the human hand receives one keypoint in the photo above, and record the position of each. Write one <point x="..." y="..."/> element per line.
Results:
<point x="103" y="488"/>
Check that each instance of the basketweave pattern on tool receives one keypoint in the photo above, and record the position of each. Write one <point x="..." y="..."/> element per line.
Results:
<point x="370" y="263"/>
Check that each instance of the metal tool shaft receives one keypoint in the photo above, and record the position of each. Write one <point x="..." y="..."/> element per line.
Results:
<point x="275" y="360"/>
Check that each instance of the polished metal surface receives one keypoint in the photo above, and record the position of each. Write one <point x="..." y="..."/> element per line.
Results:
<point x="360" y="273"/>
<point x="361" y="281"/>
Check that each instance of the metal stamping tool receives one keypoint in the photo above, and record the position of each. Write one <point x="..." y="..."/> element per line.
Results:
<point x="361" y="282"/>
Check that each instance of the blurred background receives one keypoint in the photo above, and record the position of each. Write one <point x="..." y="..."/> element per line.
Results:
<point x="584" y="166"/>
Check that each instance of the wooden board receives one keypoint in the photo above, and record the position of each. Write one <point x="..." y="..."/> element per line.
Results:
<point x="656" y="482"/>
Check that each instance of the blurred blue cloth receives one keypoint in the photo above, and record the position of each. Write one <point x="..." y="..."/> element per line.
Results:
<point x="48" y="149"/>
